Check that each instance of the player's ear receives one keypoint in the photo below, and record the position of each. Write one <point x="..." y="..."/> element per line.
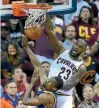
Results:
<point x="54" y="88"/>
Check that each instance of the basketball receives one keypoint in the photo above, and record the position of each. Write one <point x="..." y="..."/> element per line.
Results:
<point x="33" y="32"/>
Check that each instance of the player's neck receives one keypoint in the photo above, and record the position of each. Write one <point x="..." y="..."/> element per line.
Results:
<point x="77" y="58"/>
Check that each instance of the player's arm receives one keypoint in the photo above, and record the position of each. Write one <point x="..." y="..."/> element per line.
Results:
<point x="31" y="55"/>
<point x="75" y="78"/>
<point x="35" y="101"/>
<point x="35" y="62"/>
<point x="95" y="46"/>
<point x="54" y="42"/>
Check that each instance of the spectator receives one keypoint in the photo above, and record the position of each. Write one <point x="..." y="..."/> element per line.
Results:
<point x="21" y="80"/>
<point x="10" y="99"/>
<point x="11" y="60"/>
<point x="16" y="29"/>
<point x="89" y="78"/>
<point x="88" y="95"/>
<point x="84" y="26"/>
<point x="69" y="17"/>
<point x="46" y="66"/>
<point x="70" y="34"/>
<point x="4" y="36"/>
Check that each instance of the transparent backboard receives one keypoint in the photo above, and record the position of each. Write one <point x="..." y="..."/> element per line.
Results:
<point x="59" y="7"/>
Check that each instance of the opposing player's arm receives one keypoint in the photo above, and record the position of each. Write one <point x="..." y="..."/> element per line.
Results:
<point x="36" y="101"/>
<point x="35" y="62"/>
<point x="75" y="78"/>
<point x="54" y="42"/>
<point x="31" y="55"/>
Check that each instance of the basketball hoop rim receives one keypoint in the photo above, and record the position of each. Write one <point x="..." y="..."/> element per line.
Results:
<point x="31" y="6"/>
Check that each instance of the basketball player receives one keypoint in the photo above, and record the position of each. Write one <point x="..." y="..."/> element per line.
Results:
<point x="66" y="64"/>
<point x="68" y="83"/>
<point x="43" y="99"/>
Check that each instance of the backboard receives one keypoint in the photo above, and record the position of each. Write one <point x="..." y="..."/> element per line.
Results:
<point x="59" y="7"/>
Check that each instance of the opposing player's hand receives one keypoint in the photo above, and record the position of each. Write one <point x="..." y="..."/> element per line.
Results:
<point x="31" y="43"/>
<point x="35" y="76"/>
<point x="24" y="41"/>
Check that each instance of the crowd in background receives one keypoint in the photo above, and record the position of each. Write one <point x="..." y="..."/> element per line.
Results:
<point x="16" y="65"/>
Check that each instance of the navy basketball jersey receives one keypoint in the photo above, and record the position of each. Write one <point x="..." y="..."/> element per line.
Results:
<point x="52" y="93"/>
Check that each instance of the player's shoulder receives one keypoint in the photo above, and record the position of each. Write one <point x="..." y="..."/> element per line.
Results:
<point x="82" y="67"/>
<point x="47" y="96"/>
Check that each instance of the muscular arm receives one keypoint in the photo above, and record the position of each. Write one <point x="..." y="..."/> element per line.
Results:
<point x="54" y="42"/>
<point x="75" y="78"/>
<point x="32" y="57"/>
<point x="36" y="101"/>
<point x="35" y="62"/>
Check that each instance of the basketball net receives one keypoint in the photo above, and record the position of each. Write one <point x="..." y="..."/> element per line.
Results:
<point x="36" y="17"/>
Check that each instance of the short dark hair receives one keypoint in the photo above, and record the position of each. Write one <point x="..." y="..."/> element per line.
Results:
<point x="45" y="62"/>
<point x="59" y="83"/>
<point x="69" y="26"/>
<point x="10" y="81"/>
<point x="13" y="70"/>
<point x="83" y="41"/>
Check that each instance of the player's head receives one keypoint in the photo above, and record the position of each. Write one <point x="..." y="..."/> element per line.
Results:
<point x="78" y="48"/>
<point x="53" y="84"/>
